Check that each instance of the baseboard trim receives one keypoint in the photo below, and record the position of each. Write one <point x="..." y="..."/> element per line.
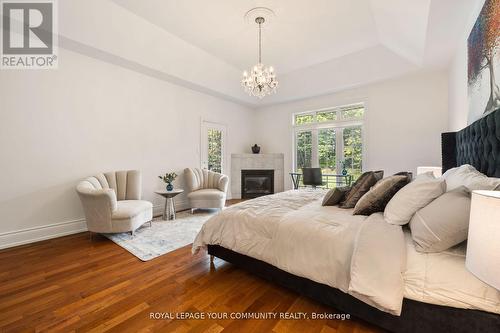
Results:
<point x="36" y="234"/>
<point x="40" y="233"/>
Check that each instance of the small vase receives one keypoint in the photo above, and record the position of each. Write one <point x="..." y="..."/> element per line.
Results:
<point x="344" y="172"/>
<point x="170" y="187"/>
<point x="255" y="149"/>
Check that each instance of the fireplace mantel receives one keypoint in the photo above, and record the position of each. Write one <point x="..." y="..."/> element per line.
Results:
<point x="256" y="162"/>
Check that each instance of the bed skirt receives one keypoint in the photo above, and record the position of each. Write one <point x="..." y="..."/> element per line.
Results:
<point x="415" y="317"/>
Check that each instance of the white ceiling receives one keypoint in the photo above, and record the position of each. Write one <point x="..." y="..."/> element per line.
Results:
<point x="316" y="38"/>
<point x="302" y="33"/>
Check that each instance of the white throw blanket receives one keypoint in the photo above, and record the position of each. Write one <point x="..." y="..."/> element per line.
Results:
<point x="362" y="256"/>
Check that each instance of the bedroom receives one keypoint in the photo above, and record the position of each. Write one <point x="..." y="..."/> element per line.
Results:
<point x="90" y="88"/>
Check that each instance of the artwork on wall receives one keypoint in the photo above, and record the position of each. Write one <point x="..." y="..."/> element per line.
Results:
<point x="483" y="62"/>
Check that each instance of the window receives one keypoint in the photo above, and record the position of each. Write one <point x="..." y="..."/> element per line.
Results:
<point x="304" y="149"/>
<point x="212" y="152"/>
<point x="215" y="150"/>
<point x="327" y="150"/>
<point x="331" y="139"/>
<point x="304" y="119"/>
<point x="353" y="150"/>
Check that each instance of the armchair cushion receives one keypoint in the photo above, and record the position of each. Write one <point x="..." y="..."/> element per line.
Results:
<point x="129" y="208"/>
<point x="207" y="194"/>
<point x="131" y="214"/>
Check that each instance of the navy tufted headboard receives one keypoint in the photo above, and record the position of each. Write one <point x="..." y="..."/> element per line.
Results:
<point x="478" y="145"/>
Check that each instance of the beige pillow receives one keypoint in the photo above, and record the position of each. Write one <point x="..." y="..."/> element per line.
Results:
<point x="443" y="223"/>
<point x="379" y="195"/>
<point x="412" y="197"/>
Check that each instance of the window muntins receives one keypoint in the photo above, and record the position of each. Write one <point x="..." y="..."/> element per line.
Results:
<point x="331" y="139"/>
<point x="352" y="112"/>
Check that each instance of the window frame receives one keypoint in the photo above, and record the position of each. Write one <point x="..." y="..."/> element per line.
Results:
<point x="338" y="125"/>
<point x="205" y="126"/>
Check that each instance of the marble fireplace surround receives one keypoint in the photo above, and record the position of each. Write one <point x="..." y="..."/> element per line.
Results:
<point x="256" y="162"/>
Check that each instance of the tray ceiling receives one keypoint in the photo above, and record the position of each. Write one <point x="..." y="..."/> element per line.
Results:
<point x="314" y="39"/>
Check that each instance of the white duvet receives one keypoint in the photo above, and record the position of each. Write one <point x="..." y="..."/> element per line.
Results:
<point x="362" y="256"/>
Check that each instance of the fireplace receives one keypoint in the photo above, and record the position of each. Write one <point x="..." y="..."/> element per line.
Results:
<point x="256" y="183"/>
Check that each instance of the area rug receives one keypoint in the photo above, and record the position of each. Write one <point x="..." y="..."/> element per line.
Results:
<point x="163" y="236"/>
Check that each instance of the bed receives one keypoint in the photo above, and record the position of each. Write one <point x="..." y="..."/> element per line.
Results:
<point x="430" y="297"/>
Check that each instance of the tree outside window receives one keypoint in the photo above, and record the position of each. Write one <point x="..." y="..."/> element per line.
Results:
<point x="353" y="154"/>
<point x="304" y="149"/>
<point x="215" y="150"/>
<point x="330" y="139"/>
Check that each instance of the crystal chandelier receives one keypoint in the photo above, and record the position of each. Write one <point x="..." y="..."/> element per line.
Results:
<point x="262" y="80"/>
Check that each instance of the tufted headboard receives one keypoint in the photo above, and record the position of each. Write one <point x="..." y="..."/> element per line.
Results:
<point x="478" y="145"/>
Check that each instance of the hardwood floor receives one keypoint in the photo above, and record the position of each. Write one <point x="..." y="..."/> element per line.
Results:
<point x="72" y="284"/>
<point x="230" y="202"/>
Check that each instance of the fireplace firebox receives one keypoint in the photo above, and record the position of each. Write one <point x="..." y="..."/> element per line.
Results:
<point x="256" y="183"/>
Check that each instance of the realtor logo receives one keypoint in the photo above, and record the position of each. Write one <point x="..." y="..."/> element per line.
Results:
<point x="28" y="34"/>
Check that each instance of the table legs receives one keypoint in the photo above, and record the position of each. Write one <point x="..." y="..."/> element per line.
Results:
<point x="164" y="217"/>
<point x="169" y="209"/>
<point x="172" y="209"/>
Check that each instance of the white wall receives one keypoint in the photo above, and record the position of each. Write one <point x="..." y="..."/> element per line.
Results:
<point x="403" y="122"/>
<point x="458" y="103"/>
<point x="86" y="26"/>
<point x="88" y="116"/>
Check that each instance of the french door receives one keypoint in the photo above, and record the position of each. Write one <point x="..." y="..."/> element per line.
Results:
<point x="330" y="148"/>
<point x="213" y="139"/>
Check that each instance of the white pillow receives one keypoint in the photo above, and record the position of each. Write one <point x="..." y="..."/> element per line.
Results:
<point x="466" y="175"/>
<point x="413" y="197"/>
<point x="443" y="223"/>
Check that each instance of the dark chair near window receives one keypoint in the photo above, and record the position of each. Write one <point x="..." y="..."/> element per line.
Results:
<point x="312" y="177"/>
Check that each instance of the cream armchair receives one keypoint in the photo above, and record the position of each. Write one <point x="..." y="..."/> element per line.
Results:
<point x="207" y="189"/>
<point x="112" y="202"/>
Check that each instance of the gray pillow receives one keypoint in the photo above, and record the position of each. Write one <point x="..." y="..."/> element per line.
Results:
<point x="334" y="196"/>
<point x="360" y="187"/>
<point x="379" y="195"/>
<point x="443" y="223"/>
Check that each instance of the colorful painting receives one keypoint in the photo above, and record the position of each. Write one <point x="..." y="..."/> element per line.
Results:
<point x="484" y="62"/>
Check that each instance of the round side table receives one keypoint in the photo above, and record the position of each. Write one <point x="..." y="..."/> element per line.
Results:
<point x="169" y="210"/>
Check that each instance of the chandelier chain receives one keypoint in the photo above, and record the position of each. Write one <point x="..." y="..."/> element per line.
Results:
<point x="260" y="42"/>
